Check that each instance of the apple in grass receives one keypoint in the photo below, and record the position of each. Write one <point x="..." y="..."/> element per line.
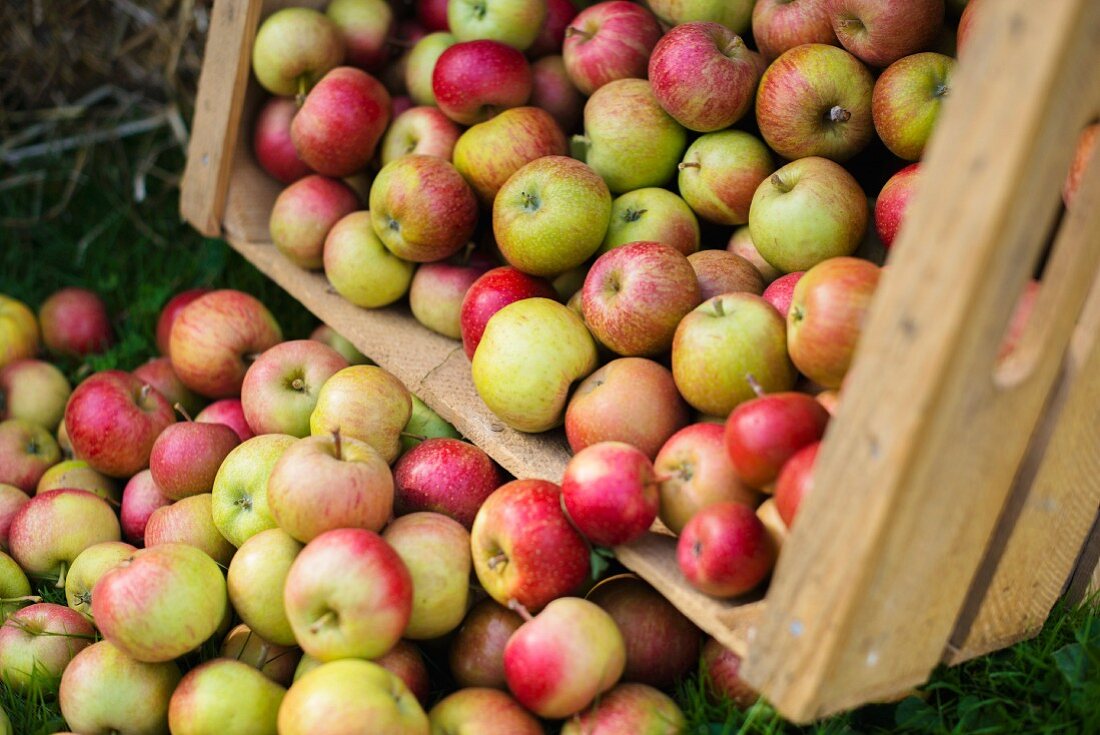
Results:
<point x="18" y="331"/>
<point x="734" y="14"/>
<point x="532" y="351"/>
<point x="780" y="292"/>
<point x="273" y="147"/>
<point x="446" y="476"/>
<point x="725" y="551"/>
<point x="703" y="75"/>
<point x="275" y="662"/>
<point x="421" y="65"/>
<point x="765" y="432"/>
<point x="484" y="711"/>
<point x="88" y="567"/>
<point x="880" y="32"/>
<point x="367" y="403"/>
<point x="1086" y="145"/>
<point x="140" y="499"/>
<point x="35" y="391"/>
<point x="436" y="295"/>
<point x="11" y="500"/>
<point x="826" y="318"/>
<point x="552" y="90"/>
<point x="256" y="579"/>
<point x="721" y="172"/>
<point x="795" y="482"/>
<point x="75" y="323"/>
<point x="559" y="14"/>
<point x="189" y="521"/>
<point x="906" y="102"/>
<point x="280" y="388"/>
<point x="628" y="139"/>
<point x="491" y="292"/>
<point x="516" y="23"/>
<point x="609" y="41"/>
<point x="240" y="487"/>
<point x="303" y="214"/>
<point x="551" y="215"/>
<point x="610" y="493"/>
<point x="38" y="642"/>
<point x="360" y="267"/>
<point x="294" y="48"/>
<point x="780" y="25"/>
<point x="808" y="211"/>
<point x="341" y="121"/>
<point x="629" y="708"/>
<point x="424" y="130"/>
<point x="26" y="451"/>
<point x="225" y="696"/>
<point x="76" y="474"/>
<point x="723" y="676"/>
<point x="720" y="271"/>
<point x="490" y="152"/>
<point x="366" y="26"/>
<point x="740" y="243"/>
<point x="474" y="80"/>
<point x="215" y="336"/>
<point x="158" y="373"/>
<point x="476" y="654"/>
<point x="227" y="411"/>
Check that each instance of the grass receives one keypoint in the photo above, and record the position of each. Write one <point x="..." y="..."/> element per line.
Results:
<point x="85" y="229"/>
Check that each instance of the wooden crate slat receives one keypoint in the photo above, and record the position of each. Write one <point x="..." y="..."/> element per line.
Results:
<point x="916" y="466"/>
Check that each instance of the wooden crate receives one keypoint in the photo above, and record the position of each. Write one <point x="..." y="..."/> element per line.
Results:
<point x="953" y="496"/>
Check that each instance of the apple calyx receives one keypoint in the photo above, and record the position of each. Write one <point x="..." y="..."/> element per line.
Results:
<point x="851" y="25"/>
<point x="531" y="202"/>
<point x="838" y="114"/>
<point x="754" y="384"/>
<point x="182" y="412"/>
<point x="520" y="609"/>
<point x="244" y="502"/>
<point x="630" y="215"/>
<point x="393" y="224"/>
<point x="329" y="618"/>
<point x="732" y="48"/>
<point x="797" y="314"/>
<point x="941" y="90"/>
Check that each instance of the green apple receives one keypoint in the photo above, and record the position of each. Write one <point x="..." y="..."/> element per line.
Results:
<point x="294" y="48"/>
<point x="551" y="215"/>
<point x="88" y="567"/>
<point x="514" y="22"/>
<point x="424" y="423"/>
<point x="240" y="488"/>
<point x="733" y="14"/>
<point x="421" y="64"/>
<point x="367" y="403"/>
<point x="255" y="582"/>
<point x="906" y="102"/>
<point x="721" y="172"/>
<point x="652" y="214"/>
<point x="225" y="697"/>
<point x="335" y="340"/>
<point x="76" y="473"/>
<point x="37" y="391"/>
<point x="15" y="588"/>
<point x="360" y="267"/>
<point x="532" y="351"/>
<point x="18" y="331"/>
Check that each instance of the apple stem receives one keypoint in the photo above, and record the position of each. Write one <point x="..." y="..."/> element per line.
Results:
<point x="300" y="98"/>
<point x="719" y="309"/>
<point x="339" y="445"/>
<point x="321" y="622"/>
<point x="838" y="114"/>
<point x="732" y="47"/>
<point x="520" y="609"/>
<point x="61" y="577"/>
<point x="754" y="384"/>
<point x="414" y="437"/>
<point x="779" y="183"/>
<point x="687" y="164"/>
<point x="182" y="411"/>
<point x="400" y="43"/>
<point x="22" y="598"/>
<point x="252" y="357"/>
<point x="574" y="31"/>
<point x="496" y="560"/>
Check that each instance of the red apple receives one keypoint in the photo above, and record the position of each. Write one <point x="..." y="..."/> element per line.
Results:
<point x="366" y="26"/>
<point x="907" y="99"/>
<point x="559" y="13"/>
<point x="341" y="121"/>
<point x="273" y="148"/>
<point x="795" y="482"/>
<point x="492" y="292"/>
<point x="723" y="676"/>
<point x="966" y="24"/>
<point x="882" y="31"/>
<point x="230" y="412"/>
<point x="50" y="530"/>
<point x="740" y="243"/>
<point x="11" y="500"/>
<point x="725" y="551"/>
<point x="779" y="25"/>
<point x="186" y="456"/>
<point x="633" y="708"/>
<point x="475" y="80"/>
<point x="303" y="214"/>
<point x="780" y="292"/>
<point x="74" y="323"/>
<point x="762" y="434"/>
<point x="610" y="493"/>
<point x="608" y="41"/>
<point x="482" y="711"/>
<point x="720" y="173"/>
<point x="446" y="476"/>
<point x="893" y="201"/>
<point x="552" y="90"/>
<point x="174" y="306"/>
<point x="1086" y="145"/>
<point x="477" y="649"/>
<point x="436" y="295"/>
<point x="280" y="388"/>
<point x="720" y="271"/>
<point x="432" y="14"/>
<point x="405" y="662"/>
<point x="423" y="130"/>
<point x="140" y="499"/>
<point x="158" y="373"/>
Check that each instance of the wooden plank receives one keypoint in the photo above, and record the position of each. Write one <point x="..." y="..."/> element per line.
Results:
<point x="917" y="465"/>
<point x="1086" y="578"/>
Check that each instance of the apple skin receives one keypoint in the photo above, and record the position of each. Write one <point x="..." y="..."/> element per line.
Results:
<point x="293" y="48"/>
<point x="662" y="645"/>
<point x="543" y="555"/>
<point x="240" y="488"/>
<point x="720" y="343"/>
<point x="341" y="121"/>
<point x="880" y="33"/>
<point x="75" y="323"/>
<point x="446" y="476"/>
<point x="366" y="26"/>
<point x="88" y="567"/>
<point x="780" y="25"/>
<point x="721" y="172"/>
<point x="551" y="215"/>
<point x="477" y="649"/>
<point x="211" y="337"/>
<point x="815" y="100"/>
<point x="482" y="711"/>
<point x="795" y="482"/>
<point x="826" y="318"/>
<point x="186" y="456"/>
<point x="725" y="551"/>
<point x="780" y="292"/>
<point x="740" y="243"/>
<point x="326" y="482"/>
<point x="275" y="662"/>
<point x="158" y="373"/>
<point x="227" y="411"/>
<point x="348" y="595"/>
<point x="516" y="23"/>
<point x="552" y="90"/>
<point x="255" y="582"/>
<point x="424" y="130"/>
<point x="38" y="642"/>
<point x="11" y="500"/>
<point x="720" y="271"/>
<point x="609" y="41"/>
<point x="906" y="102"/>
<point x="723" y="676"/>
<point x="762" y="434"/>
<point x="559" y="14"/>
<point x="893" y="202"/>
<point x="225" y="696"/>
<point x="610" y="493"/>
<point x="634" y="708"/>
<point x="652" y="214"/>
<point x="605" y="407"/>
<point x="491" y="292"/>
<point x="280" y="389"/>
<point x="406" y="663"/>
<point x="189" y="521"/>
<point x="360" y="267"/>
<point x="490" y="152"/>
<point x="421" y="65"/>
<point x="77" y="475"/>
<point x="18" y="331"/>
<point x="303" y="214"/>
<point x="423" y="424"/>
<point x="432" y="14"/>
<point x="475" y="80"/>
<point x="422" y="209"/>
<point x="273" y="147"/>
<point x="35" y="391"/>
<point x="695" y="472"/>
<point x="1086" y="145"/>
<point x="350" y="693"/>
<point x="27" y="451"/>
<point x="160" y="604"/>
<point x="703" y="75"/>
<point x="806" y="212"/>
<point x="628" y="139"/>
<point x="367" y="403"/>
<point x="140" y="499"/>
<point x="531" y="352"/>
<point x="436" y="295"/>
<point x="329" y="336"/>
<point x="560" y="661"/>
<point x="734" y="14"/>
<point x="15" y="587"/>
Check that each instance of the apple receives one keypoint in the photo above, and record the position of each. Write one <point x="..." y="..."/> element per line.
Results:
<point x="607" y="42"/>
<point x="893" y="202"/>
<point x="422" y="209"/>
<point x="559" y="14"/>
<point x="76" y="474"/>
<point x="348" y="594"/>
<point x="11" y="500"/>
<point x="341" y="121"/>
<point x="610" y="493"/>
<point x="881" y="32"/>
<point x="740" y="243"/>
<point x="214" y="336"/>
<point x="227" y="411"/>
<point x="446" y="476"/>
<point x="367" y="403"/>
<point x="720" y="271"/>
<point x="734" y="14"/>
<point x="722" y="674"/>
<point x="158" y="373"/>
<point x="186" y="456"/>
<point x="1017" y="325"/>
<point x="552" y="90"/>
<point x="484" y="711"/>
<point x="424" y="424"/>
<point x="343" y="696"/>
<point x="491" y="292"/>
<point x="724" y="550"/>
<point x="50" y="530"/>
<point x="359" y="266"/>
<point x="436" y="295"/>
<point x="703" y="75"/>
<point x="35" y="391"/>
<point x="551" y="215"/>
<point x="432" y="14"/>
<point x="421" y="65"/>
<point x="18" y="331"/>
<point x="906" y="102"/>
<point x="275" y="662"/>
<point x="490" y="152"/>
<point x="633" y="708"/>
<point x="477" y="648"/>
<point x="274" y="151"/>
<point x="423" y="130"/>
<point x="530" y="353"/>
<point x="256" y="578"/>
<point x="513" y="22"/>
<point x="721" y="172"/>
<point x="37" y="643"/>
<point x="815" y="100"/>
<point x="162" y="603"/>
<point x="808" y="211"/>
<point x="724" y="341"/>
<point x="634" y="297"/>
<point x="827" y="314"/>
<point x="280" y="389"/>
<point x="303" y="214"/>
<point x="405" y="662"/>
<point x="780" y="292"/>
<point x="105" y="690"/>
<point x="326" y="482"/>
<point x="88" y="567"/>
<point x="26" y="451"/>
<point x="606" y="407"/>
<point x="366" y="26"/>
<point x="15" y="588"/>
<point x="293" y="48"/>
<point x="628" y="139"/>
<point x="662" y="645"/>
<point x="189" y="521"/>
<point x="652" y="214"/>
<point x="140" y="499"/>
<point x="765" y="432"/>
<point x="329" y="336"/>
<point x="830" y="399"/>
<point x="795" y="482"/>
<point x="240" y="488"/>
<point x="768" y="514"/>
<point x="560" y="661"/>
<point x="74" y="323"/>
<point x="1086" y="145"/>
<point x="780" y="25"/>
<point x="474" y="80"/>
<point x="224" y="696"/>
